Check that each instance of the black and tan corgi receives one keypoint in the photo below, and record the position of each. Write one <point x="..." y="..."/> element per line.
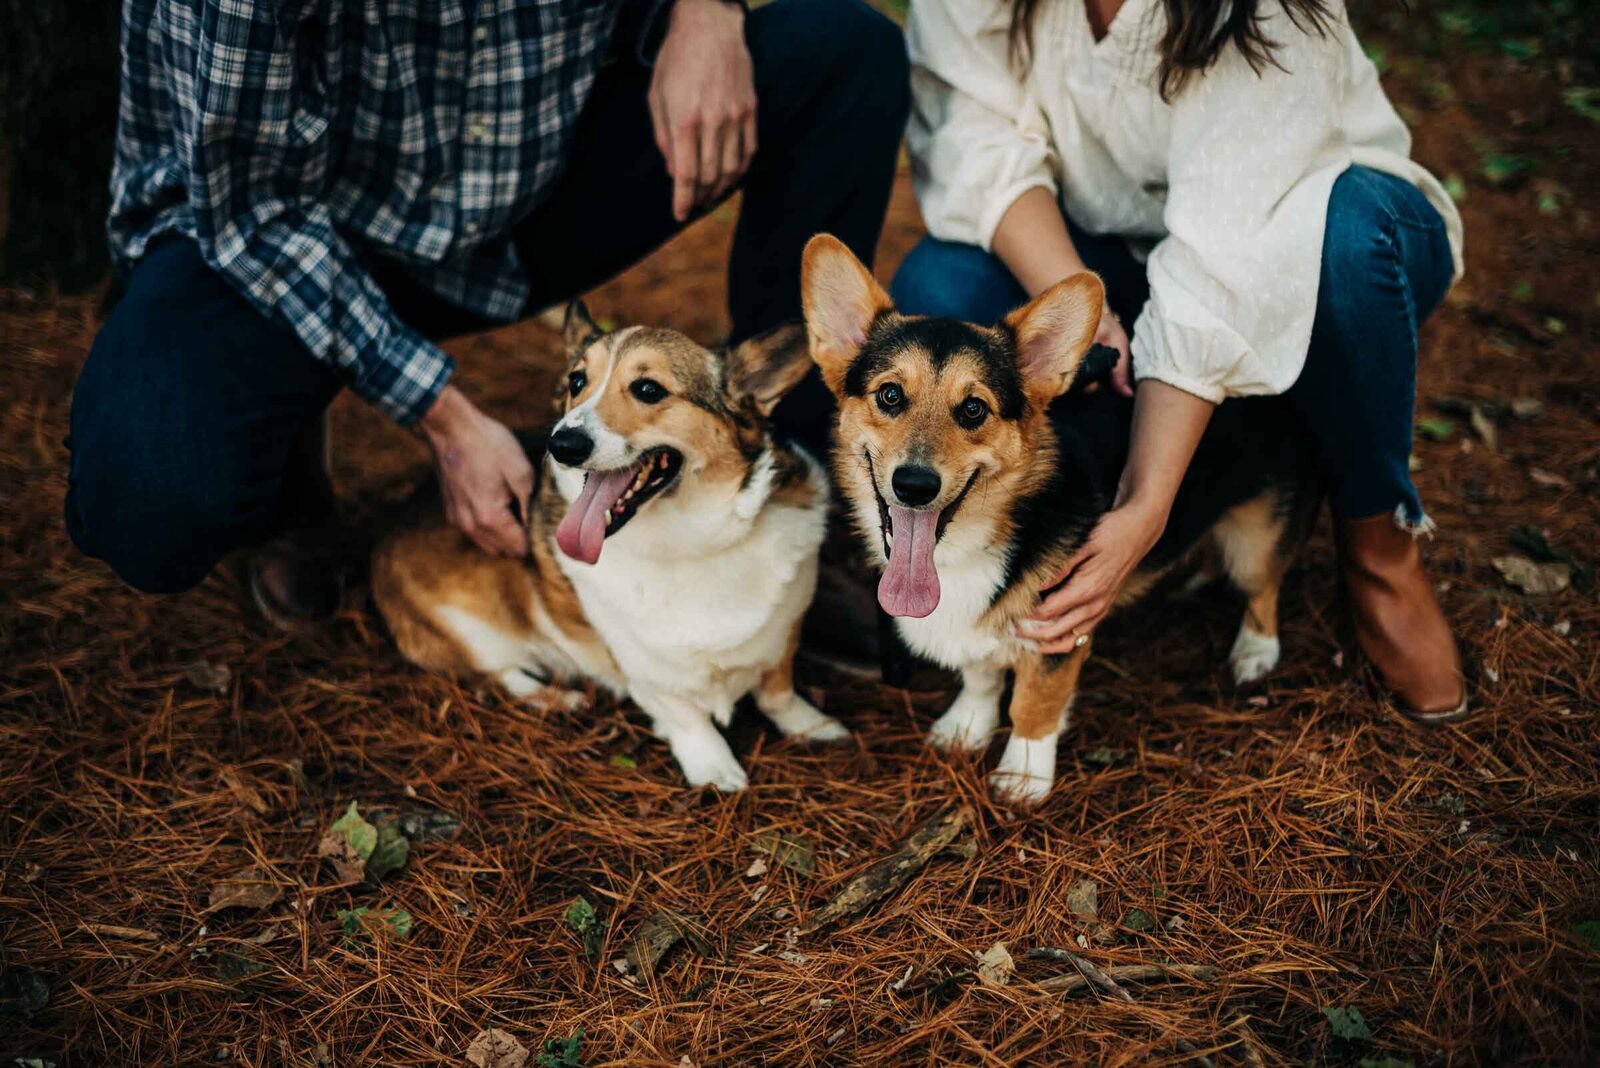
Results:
<point x="674" y="547"/>
<point x="974" y="475"/>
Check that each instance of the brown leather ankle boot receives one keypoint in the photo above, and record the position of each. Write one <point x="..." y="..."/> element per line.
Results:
<point x="1398" y="622"/>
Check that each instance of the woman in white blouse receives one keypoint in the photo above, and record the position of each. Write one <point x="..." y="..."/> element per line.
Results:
<point x="1236" y="175"/>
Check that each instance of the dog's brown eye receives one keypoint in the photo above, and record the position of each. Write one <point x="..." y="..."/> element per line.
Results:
<point x="891" y="398"/>
<point x="576" y="381"/>
<point x="647" y="390"/>
<point x="972" y="413"/>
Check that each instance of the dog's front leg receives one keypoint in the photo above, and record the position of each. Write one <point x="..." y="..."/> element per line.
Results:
<point x="789" y="712"/>
<point x="974" y="714"/>
<point x="1040" y="705"/>
<point x="697" y="745"/>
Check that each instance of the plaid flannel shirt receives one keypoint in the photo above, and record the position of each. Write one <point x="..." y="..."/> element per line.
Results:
<point x="296" y="140"/>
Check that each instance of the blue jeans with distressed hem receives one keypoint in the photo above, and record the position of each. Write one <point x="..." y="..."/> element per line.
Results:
<point x="1386" y="265"/>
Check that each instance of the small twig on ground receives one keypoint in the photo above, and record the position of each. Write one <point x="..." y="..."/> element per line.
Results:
<point x="1066" y="984"/>
<point x="892" y="872"/>
<point x="1097" y="976"/>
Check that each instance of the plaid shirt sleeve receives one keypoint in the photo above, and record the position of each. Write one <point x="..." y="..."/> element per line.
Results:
<point x="255" y="146"/>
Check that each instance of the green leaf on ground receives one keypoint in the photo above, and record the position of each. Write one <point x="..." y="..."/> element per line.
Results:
<point x="389" y="852"/>
<point x="1522" y="292"/>
<point x="1456" y="187"/>
<point x="1585" y="100"/>
<point x="236" y="967"/>
<point x="1348" y="1023"/>
<point x="1587" y="932"/>
<point x="1435" y="429"/>
<point x="793" y="853"/>
<point x="582" y="918"/>
<point x="562" y="1052"/>
<point x="1503" y="170"/>
<point x="1138" y="920"/>
<point x="623" y="760"/>
<point x="357" y="848"/>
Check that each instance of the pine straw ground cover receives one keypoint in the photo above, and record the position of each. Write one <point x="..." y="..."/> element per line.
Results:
<point x="1298" y="851"/>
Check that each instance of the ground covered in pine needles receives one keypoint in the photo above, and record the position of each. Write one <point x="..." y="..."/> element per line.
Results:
<point x="1287" y="875"/>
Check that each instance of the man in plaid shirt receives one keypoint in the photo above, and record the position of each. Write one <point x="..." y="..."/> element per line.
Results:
<point x="307" y="196"/>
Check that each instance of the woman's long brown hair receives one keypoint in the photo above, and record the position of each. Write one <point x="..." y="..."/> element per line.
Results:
<point x="1197" y="32"/>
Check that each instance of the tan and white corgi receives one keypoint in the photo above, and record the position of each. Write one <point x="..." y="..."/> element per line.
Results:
<point x="674" y="547"/>
<point x="974" y="475"/>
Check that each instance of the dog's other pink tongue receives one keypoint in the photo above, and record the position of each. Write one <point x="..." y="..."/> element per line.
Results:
<point x="583" y="528"/>
<point x="910" y="584"/>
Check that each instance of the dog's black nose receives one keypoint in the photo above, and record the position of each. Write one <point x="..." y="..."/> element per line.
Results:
<point x="570" y="446"/>
<point x="915" y="486"/>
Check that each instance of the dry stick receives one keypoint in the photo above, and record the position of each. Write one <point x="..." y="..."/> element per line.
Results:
<point x="1104" y="982"/>
<point x="1066" y="984"/>
<point x="892" y="872"/>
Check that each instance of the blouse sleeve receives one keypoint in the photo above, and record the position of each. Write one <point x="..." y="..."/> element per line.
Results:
<point x="1252" y="159"/>
<point x="978" y="140"/>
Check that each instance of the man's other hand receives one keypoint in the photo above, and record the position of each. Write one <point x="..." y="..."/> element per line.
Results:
<point x="703" y="102"/>
<point x="483" y="473"/>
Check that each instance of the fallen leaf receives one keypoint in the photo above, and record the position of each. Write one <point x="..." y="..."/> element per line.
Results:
<point x="1532" y="578"/>
<point x="357" y="848"/>
<point x="792" y="853"/>
<point x="582" y="918"/>
<point x="243" y="790"/>
<point x="1527" y="409"/>
<point x="248" y="888"/>
<point x="1103" y="756"/>
<point x="1540" y="477"/>
<point x="376" y="923"/>
<point x="494" y="1048"/>
<point x="207" y="675"/>
<point x="1484" y="427"/>
<point x="23" y="991"/>
<point x="1138" y="920"/>
<point x="1347" y="1023"/>
<point x="421" y="825"/>
<point x="236" y="967"/>
<point x="1083" y="899"/>
<point x="1435" y="429"/>
<point x="893" y="871"/>
<point x="757" y="868"/>
<point x="996" y="965"/>
<point x="623" y="760"/>
<point x="659" y="933"/>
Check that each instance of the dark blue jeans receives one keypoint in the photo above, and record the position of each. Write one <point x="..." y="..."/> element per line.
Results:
<point x="1386" y="264"/>
<point x="187" y="412"/>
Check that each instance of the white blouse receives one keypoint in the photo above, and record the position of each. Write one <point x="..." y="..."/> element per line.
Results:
<point x="1229" y="182"/>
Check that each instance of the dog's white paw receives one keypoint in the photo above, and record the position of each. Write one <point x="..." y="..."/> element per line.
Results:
<point x="1026" y="772"/>
<point x="535" y="693"/>
<point x="799" y="719"/>
<point x="706" y="760"/>
<point x="1254" y="655"/>
<point x="966" y="725"/>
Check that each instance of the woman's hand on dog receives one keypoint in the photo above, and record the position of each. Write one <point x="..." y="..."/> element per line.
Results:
<point x="1112" y="335"/>
<point x="703" y="102"/>
<point x="1088" y="586"/>
<point x="484" y="475"/>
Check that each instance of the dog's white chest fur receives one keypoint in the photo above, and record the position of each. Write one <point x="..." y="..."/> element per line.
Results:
<point x="690" y="615"/>
<point x="956" y="634"/>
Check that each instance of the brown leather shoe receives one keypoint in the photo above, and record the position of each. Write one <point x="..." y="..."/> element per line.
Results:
<point x="1398" y="622"/>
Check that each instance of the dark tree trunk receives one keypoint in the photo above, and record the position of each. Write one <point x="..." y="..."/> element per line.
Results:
<point x="59" y="62"/>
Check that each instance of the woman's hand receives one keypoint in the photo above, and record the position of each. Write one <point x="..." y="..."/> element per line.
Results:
<point x="1088" y="587"/>
<point x="484" y="475"/>
<point x="703" y="102"/>
<point x="1113" y="336"/>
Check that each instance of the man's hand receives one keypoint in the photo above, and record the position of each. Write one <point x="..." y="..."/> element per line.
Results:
<point x="1092" y="579"/>
<point x="703" y="102"/>
<point x="484" y="474"/>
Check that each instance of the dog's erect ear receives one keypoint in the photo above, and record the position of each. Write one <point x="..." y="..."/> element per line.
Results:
<point x="769" y="365"/>
<point x="841" y="299"/>
<point x="1053" y="331"/>
<point x="579" y="331"/>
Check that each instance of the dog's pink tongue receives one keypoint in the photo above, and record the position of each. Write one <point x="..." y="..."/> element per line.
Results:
<point x="910" y="584"/>
<point x="583" y="529"/>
